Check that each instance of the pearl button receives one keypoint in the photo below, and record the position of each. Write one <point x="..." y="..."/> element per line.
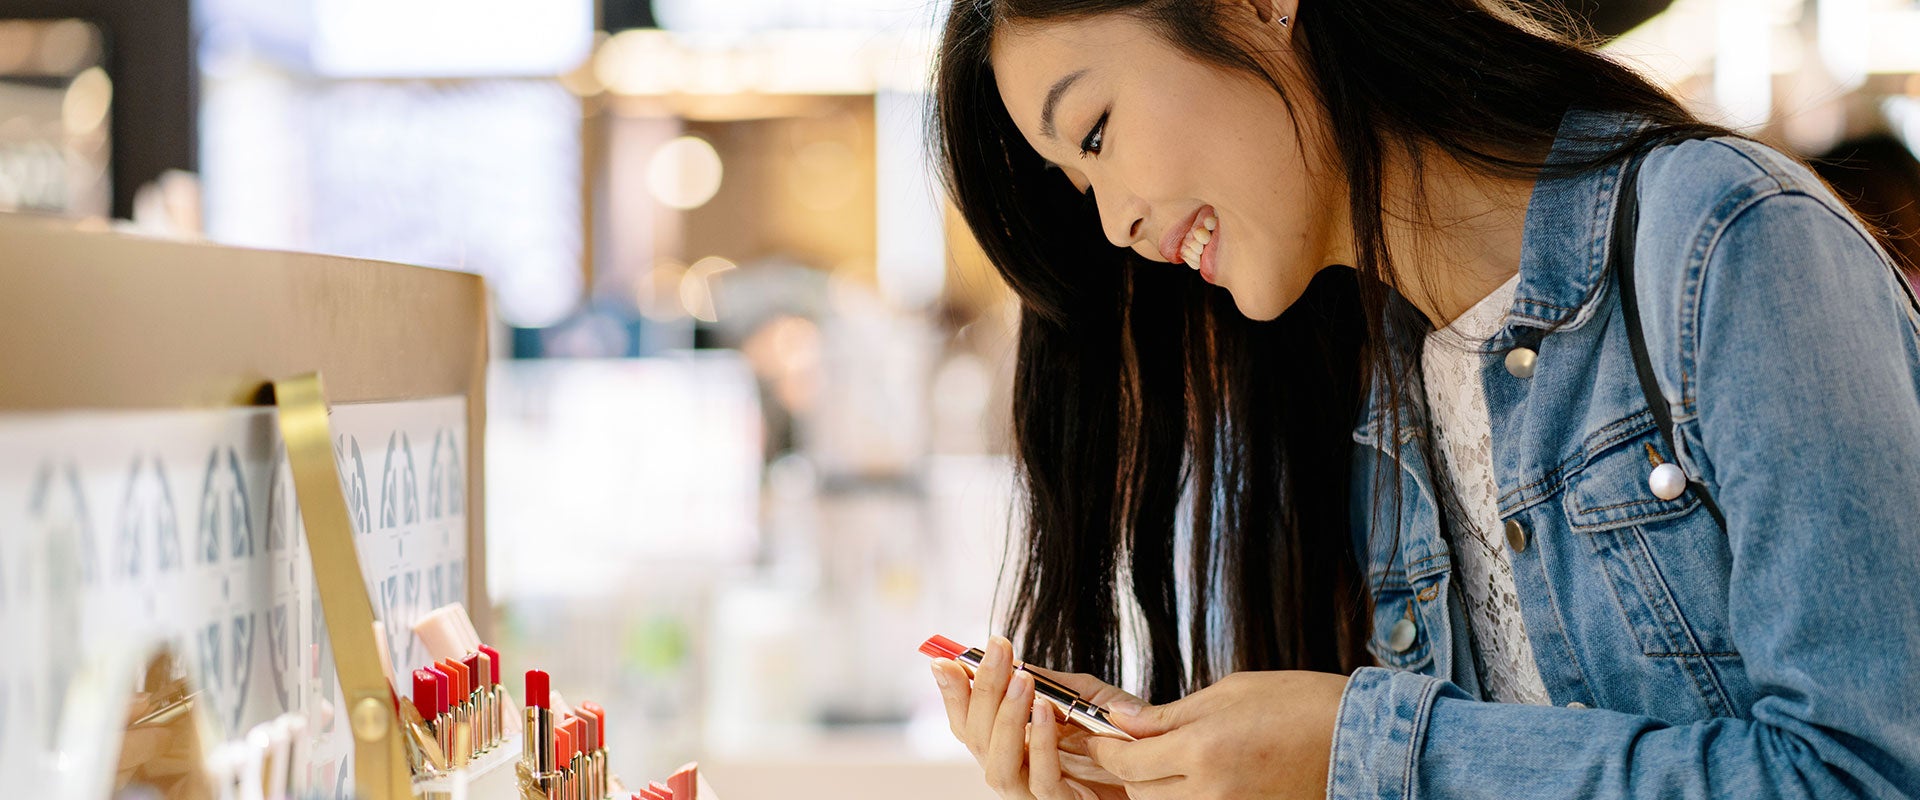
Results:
<point x="1667" y="481"/>
<point x="1520" y="361"/>
<point x="1516" y="535"/>
<point x="1576" y="704"/>
<point x="1401" y="636"/>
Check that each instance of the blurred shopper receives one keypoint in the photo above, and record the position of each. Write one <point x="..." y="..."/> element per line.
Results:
<point x="1880" y="178"/>
<point x="1423" y="453"/>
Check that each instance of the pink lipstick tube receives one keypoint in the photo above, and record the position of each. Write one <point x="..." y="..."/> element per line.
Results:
<point x="596" y="718"/>
<point x="476" y="663"/>
<point x="1066" y="702"/>
<point x="506" y="723"/>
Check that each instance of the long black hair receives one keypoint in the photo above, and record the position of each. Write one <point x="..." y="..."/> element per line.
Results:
<point x="1142" y="396"/>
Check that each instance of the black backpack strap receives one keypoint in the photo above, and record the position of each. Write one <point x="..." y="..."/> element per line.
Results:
<point x="1626" y="218"/>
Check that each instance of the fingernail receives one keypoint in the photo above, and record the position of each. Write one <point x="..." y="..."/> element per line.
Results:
<point x="1126" y="707"/>
<point x="1002" y="649"/>
<point x="939" y="676"/>
<point x="1022" y="683"/>
<point x="1041" y="714"/>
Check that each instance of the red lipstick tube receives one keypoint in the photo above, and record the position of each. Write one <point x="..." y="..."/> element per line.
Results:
<point x="443" y="709"/>
<point x="1066" y="702"/>
<point x="541" y="760"/>
<point x="462" y="708"/>
<point x="426" y="699"/>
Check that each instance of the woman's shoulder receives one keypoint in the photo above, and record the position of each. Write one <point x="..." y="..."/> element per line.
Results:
<point x="1692" y="191"/>
<point x="1733" y="227"/>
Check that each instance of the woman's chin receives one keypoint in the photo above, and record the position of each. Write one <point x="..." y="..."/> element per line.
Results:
<point x="1256" y="309"/>
<point x="1263" y="303"/>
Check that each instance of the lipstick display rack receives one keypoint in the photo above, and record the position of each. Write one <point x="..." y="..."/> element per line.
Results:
<point x="218" y="572"/>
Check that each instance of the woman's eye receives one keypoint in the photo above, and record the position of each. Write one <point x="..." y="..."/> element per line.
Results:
<point x="1090" y="145"/>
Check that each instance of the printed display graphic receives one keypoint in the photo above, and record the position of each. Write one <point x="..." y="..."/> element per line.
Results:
<point x="125" y="529"/>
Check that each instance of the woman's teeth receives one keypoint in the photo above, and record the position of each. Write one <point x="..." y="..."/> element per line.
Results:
<point x="1197" y="239"/>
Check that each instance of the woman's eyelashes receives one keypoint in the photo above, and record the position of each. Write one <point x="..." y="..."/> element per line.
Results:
<point x="1096" y="138"/>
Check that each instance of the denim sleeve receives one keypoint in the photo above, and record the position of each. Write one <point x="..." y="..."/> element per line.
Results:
<point x="1798" y="378"/>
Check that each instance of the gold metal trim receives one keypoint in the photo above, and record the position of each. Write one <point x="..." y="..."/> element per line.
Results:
<point x="380" y="766"/>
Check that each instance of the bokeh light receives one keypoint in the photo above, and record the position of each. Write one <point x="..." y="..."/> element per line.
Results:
<point x="684" y="173"/>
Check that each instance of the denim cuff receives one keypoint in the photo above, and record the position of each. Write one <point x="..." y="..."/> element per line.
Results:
<point x="1377" y="734"/>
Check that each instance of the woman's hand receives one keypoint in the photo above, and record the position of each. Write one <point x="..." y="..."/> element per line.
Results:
<point x="1025" y="752"/>
<point x="1252" y="735"/>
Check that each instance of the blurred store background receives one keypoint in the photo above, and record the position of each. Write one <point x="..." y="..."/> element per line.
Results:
<point x="747" y="425"/>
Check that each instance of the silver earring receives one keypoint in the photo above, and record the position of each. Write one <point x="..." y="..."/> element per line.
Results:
<point x="1286" y="21"/>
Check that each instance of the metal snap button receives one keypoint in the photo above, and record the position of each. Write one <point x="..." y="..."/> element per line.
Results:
<point x="1401" y="636"/>
<point x="1520" y="362"/>
<point x="1667" y="481"/>
<point x="1576" y="704"/>
<point x="1516" y="535"/>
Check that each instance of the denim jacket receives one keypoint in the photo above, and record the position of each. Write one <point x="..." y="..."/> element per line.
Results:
<point x="1779" y="657"/>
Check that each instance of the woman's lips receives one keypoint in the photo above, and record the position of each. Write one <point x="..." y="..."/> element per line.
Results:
<point x="1176" y="236"/>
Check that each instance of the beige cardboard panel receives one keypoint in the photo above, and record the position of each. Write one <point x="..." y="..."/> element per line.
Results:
<point x="92" y="320"/>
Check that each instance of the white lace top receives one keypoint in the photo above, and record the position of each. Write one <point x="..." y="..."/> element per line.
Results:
<point x="1457" y="402"/>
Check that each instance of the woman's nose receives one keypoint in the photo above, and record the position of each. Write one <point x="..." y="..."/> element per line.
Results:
<point x="1124" y="221"/>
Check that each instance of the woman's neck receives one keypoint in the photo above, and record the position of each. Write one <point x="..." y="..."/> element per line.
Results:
<point x="1454" y="235"/>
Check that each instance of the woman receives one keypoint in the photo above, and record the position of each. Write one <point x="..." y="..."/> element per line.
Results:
<point x="1438" y="468"/>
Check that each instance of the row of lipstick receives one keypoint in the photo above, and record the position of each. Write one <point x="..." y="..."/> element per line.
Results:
<point x="463" y="694"/>
<point x="564" y="754"/>
<point x="564" y="748"/>
<point x="684" y="785"/>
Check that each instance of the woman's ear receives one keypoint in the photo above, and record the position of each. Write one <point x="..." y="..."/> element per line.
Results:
<point x="1273" y="12"/>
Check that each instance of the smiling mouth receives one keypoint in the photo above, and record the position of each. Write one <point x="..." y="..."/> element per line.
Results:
<point x="1194" y="246"/>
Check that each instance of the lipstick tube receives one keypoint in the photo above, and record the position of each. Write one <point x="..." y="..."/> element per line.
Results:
<point x="426" y="695"/>
<point x="585" y="731"/>
<point x="578" y="728"/>
<point x="443" y="709"/>
<point x="538" y="747"/>
<point x="564" y="751"/>
<point x="504" y="720"/>
<point x="482" y="702"/>
<point x="426" y="699"/>
<point x="1066" y="702"/>
<point x="462" y="700"/>
<point x="453" y="696"/>
<point x="597" y="765"/>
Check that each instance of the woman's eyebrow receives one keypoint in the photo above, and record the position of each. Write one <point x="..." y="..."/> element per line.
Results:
<point x="1053" y="99"/>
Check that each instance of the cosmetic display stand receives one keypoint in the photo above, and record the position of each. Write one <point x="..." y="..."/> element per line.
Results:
<point x="390" y="763"/>
<point x="161" y="504"/>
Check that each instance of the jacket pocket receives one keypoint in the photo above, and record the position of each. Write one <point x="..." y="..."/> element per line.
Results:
<point x="1663" y="559"/>
<point x="1406" y="612"/>
<point x="1610" y="490"/>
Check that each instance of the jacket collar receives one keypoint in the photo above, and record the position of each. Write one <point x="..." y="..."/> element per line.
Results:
<point x="1563" y="263"/>
<point x="1564" y="247"/>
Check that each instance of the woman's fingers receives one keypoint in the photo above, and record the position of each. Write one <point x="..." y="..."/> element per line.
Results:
<point x="1081" y="768"/>
<point x="1045" y="777"/>
<point x="1098" y="691"/>
<point x="1043" y="753"/>
<point x="1006" y="753"/>
<point x="989" y="689"/>
<point x="954" y="694"/>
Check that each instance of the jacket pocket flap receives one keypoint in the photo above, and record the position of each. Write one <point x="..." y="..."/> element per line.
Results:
<point x="1611" y="489"/>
